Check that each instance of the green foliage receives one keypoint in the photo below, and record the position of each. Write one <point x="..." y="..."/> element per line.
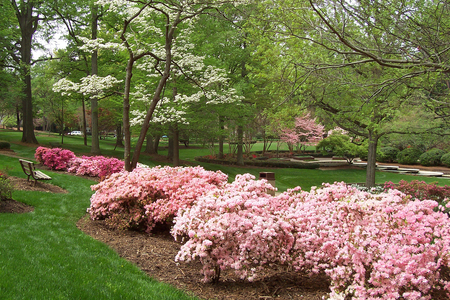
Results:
<point x="9" y="122"/>
<point x="387" y="154"/>
<point x="409" y="156"/>
<point x="431" y="157"/>
<point x="341" y="145"/>
<point x="445" y="160"/>
<point x="6" y="187"/>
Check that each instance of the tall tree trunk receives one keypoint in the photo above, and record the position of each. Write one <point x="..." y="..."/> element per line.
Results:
<point x="176" y="146"/>
<point x="18" y="117"/>
<point x="28" y="26"/>
<point x="371" y="159"/>
<point x="221" y="137"/>
<point x="119" y="136"/>
<point x="84" y="122"/>
<point x="126" y="116"/>
<point x="149" y="146"/>
<point x="240" y="146"/>
<point x="95" y="144"/>
<point x="170" y="147"/>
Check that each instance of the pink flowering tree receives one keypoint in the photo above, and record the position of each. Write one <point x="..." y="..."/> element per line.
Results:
<point x="306" y="132"/>
<point x="147" y="196"/>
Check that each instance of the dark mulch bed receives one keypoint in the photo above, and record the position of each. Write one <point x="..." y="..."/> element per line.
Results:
<point x="154" y="254"/>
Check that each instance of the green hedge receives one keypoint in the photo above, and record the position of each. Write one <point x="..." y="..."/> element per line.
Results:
<point x="431" y="157"/>
<point x="387" y="154"/>
<point x="409" y="156"/>
<point x="445" y="160"/>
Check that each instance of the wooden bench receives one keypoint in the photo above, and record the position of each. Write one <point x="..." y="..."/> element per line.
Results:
<point x="29" y="170"/>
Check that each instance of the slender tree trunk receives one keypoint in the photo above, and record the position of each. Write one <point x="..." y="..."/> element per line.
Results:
<point x="240" y="146"/>
<point x="18" y="117"/>
<point x="371" y="160"/>
<point x="95" y="144"/>
<point x="84" y="122"/>
<point x="170" y="147"/>
<point x="176" y="146"/>
<point x="149" y="146"/>
<point x="119" y="136"/>
<point x="126" y="116"/>
<point x="221" y="138"/>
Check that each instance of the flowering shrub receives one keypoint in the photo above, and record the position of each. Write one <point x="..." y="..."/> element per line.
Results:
<point x="96" y="166"/>
<point x="234" y="227"/>
<point x="54" y="158"/>
<point x="371" y="246"/>
<point x="421" y="190"/>
<point x="146" y="196"/>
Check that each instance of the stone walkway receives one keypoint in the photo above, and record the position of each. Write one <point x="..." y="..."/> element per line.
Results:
<point x="416" y="170"/>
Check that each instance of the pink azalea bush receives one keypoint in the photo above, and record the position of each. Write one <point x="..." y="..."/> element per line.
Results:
<point x="237" y="227"/>
<point x="146" y="196"/>
<point x="62" y="159"/>
<point x="54" y="158"/>
<point x="96" y="166"/>
<point x="421" y="190"/>
<point x="385" y="246"/>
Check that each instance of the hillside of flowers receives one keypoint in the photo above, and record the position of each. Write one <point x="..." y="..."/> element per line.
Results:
<point x="63" y="159"/>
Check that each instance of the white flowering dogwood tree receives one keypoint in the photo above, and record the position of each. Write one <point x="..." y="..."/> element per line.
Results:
<point x="153" y="34"/>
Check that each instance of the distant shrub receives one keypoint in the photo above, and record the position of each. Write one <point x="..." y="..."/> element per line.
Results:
<point x="5" y="145"/>
<point x="431" y="157"/>
<point x="445" y="160"/>
<point x="387" y="154"/>
<point x="409" y="156"/>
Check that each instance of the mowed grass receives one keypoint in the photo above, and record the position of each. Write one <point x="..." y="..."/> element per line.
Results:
<point x="43" y="255"/>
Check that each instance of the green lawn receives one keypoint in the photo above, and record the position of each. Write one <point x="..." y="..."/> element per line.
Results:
<point x="43" y="255"/>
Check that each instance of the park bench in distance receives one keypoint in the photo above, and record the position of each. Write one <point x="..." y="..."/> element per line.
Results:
<point x="29" y="170"/>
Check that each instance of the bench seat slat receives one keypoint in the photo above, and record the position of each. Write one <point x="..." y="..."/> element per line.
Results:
<point x="41" y="176"/>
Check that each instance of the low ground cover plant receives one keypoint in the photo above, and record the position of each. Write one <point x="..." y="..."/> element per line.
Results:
<point x="384" y="246"/>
